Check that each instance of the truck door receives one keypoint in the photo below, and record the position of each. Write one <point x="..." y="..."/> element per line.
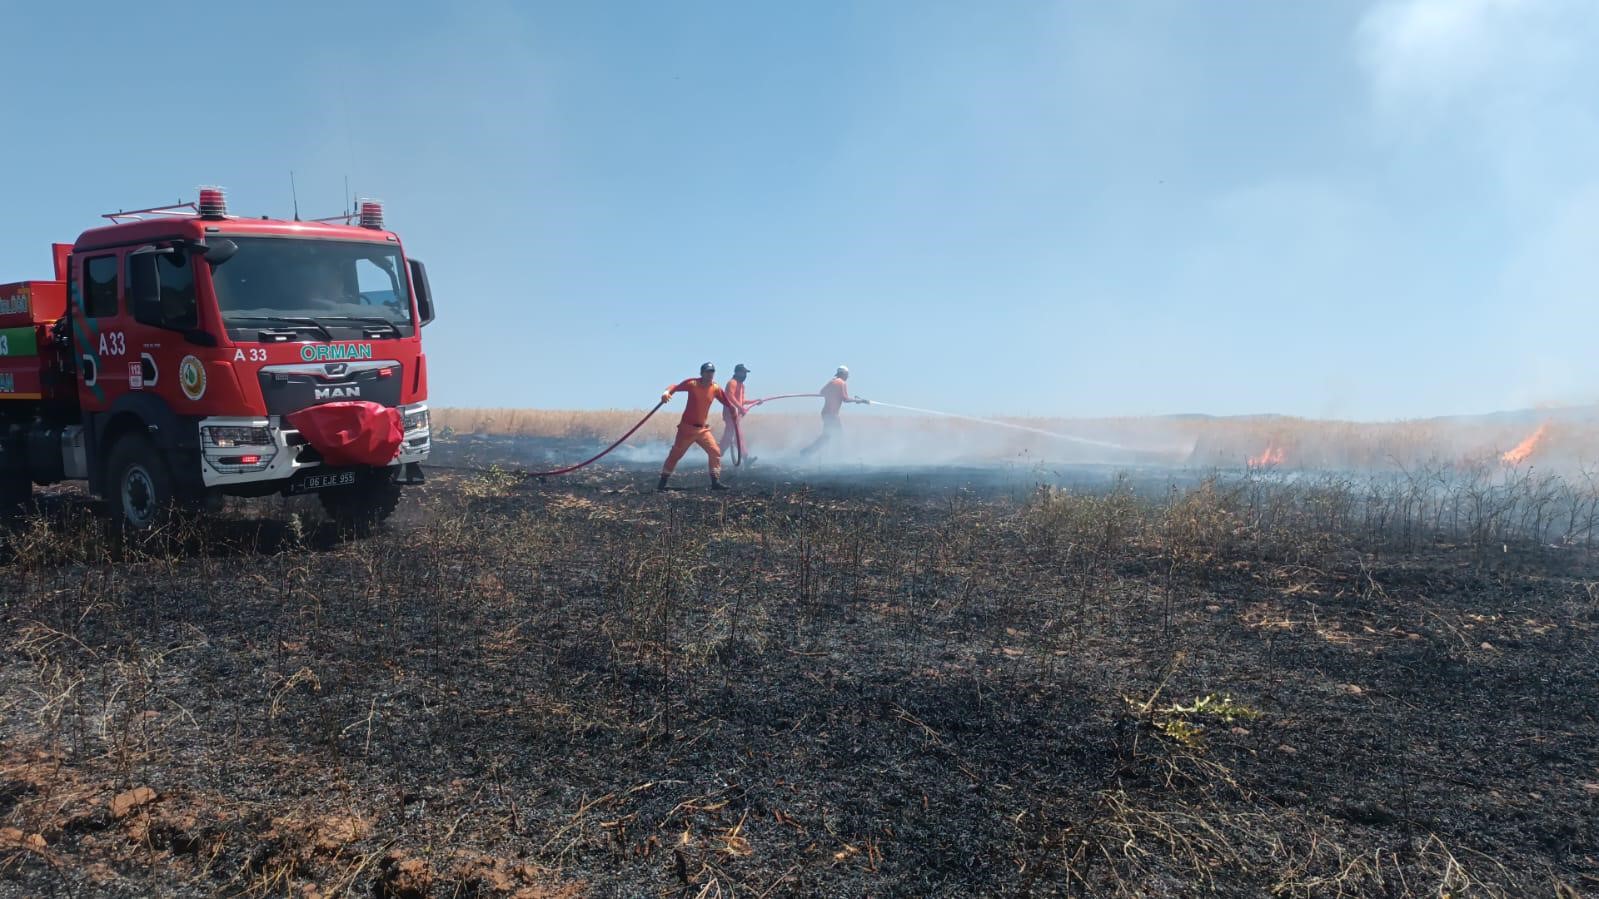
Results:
<point x="100" y="341"/>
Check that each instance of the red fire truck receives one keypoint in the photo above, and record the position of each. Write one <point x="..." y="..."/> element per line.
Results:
<point x="182" y="354"/>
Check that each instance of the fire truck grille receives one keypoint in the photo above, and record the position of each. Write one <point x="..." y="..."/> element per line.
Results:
<point x="290" y="388"/>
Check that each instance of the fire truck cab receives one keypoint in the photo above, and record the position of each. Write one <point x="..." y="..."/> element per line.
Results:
<point x="182" y="354"/>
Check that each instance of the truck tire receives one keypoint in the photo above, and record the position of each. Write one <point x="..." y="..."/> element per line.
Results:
<point x="16" y="486"/>
<point x="139" y="486"/>
<point x="357" y="510"/>
<point x="15" y="492"/>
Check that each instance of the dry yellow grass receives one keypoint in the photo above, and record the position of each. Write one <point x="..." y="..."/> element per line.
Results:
<point x="577" y="424"/>
<point x="1300" y="443"/>
<point x="773" y="429"/>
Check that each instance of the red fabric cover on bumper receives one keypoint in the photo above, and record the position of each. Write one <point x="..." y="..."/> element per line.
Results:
<point x="351" y="432"/>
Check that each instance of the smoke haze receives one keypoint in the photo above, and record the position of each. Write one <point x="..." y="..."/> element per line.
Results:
<point x="1372" y="210"/>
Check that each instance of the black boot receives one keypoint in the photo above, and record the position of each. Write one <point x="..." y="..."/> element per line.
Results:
<point x="716" y="484"/>
<point x="661" y="487"/>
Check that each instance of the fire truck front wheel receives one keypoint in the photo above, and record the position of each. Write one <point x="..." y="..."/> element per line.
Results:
<point x="359" y="508"/>
<point x="139" y="486"/>
<point x="16" y="487"/>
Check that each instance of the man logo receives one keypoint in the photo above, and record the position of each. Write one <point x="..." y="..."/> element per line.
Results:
<point x="349" y="391"/>
<point x="336" y="369"/>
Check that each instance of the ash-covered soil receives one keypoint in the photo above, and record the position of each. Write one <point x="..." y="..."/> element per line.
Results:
<point x="912" y="684"/>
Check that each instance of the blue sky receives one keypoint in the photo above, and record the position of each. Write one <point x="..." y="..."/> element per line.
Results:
<point x="1367" y="210"/>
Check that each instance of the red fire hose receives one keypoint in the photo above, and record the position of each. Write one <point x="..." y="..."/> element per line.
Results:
<point x="601" y="454"/>
<point x="781" y="396"/>
<point x="738" y="433"/>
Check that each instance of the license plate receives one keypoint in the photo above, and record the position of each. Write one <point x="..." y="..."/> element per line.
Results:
<point x="323" y="481"/>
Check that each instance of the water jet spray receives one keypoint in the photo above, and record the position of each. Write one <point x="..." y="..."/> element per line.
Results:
<point x="1005" y="424"/>
<point x="987" y="421"/>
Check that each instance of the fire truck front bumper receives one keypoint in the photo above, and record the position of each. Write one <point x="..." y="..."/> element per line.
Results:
<point x="253" y="450"/>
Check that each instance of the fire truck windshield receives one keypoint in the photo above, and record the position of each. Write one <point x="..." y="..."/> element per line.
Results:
<point x="280" y="279"/>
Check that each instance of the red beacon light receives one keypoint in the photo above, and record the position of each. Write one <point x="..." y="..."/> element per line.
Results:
<point x="213" y="203"/>
<point x="371" y="214"/>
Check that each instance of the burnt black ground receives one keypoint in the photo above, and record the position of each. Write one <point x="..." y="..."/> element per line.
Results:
<point x="849" y="683"/>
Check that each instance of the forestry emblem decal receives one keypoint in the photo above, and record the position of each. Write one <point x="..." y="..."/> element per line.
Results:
<point x="191" y="376"/>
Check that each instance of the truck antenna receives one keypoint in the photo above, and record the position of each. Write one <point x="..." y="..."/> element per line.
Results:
<point x="346" y="196"/>
<point x="295" y="194"/>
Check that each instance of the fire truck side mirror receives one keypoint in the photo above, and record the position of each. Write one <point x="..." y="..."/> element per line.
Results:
<point x="424" y="293"/>
<point x="220" y="251"/>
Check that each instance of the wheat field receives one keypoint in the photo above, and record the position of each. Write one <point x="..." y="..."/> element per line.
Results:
<point x="1560" y="441"/>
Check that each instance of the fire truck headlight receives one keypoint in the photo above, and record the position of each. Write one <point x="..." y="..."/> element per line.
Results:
<point x="232" y="436"/>
<point x="416" y="419"/>
<point x="238" y="449"/>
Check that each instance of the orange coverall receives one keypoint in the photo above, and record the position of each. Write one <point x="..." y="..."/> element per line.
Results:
<point x="834" y="395"/>
<point x="692" y="427"/>
<point x="734" y="408"/>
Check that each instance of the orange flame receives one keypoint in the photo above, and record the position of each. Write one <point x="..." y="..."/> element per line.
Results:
<point x="1271" y="455"/>
<point x="1519" y="453"/>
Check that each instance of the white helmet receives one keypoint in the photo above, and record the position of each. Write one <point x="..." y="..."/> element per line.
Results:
<point x="843" y="372"/>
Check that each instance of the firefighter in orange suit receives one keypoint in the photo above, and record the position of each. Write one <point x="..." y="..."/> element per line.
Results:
<point x="835" y="394"/>
<point x="737" y="405"/>
<point x="694" y="426"/>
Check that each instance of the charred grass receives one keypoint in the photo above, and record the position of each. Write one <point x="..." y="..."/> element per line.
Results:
<point x="1244" y="687"/>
